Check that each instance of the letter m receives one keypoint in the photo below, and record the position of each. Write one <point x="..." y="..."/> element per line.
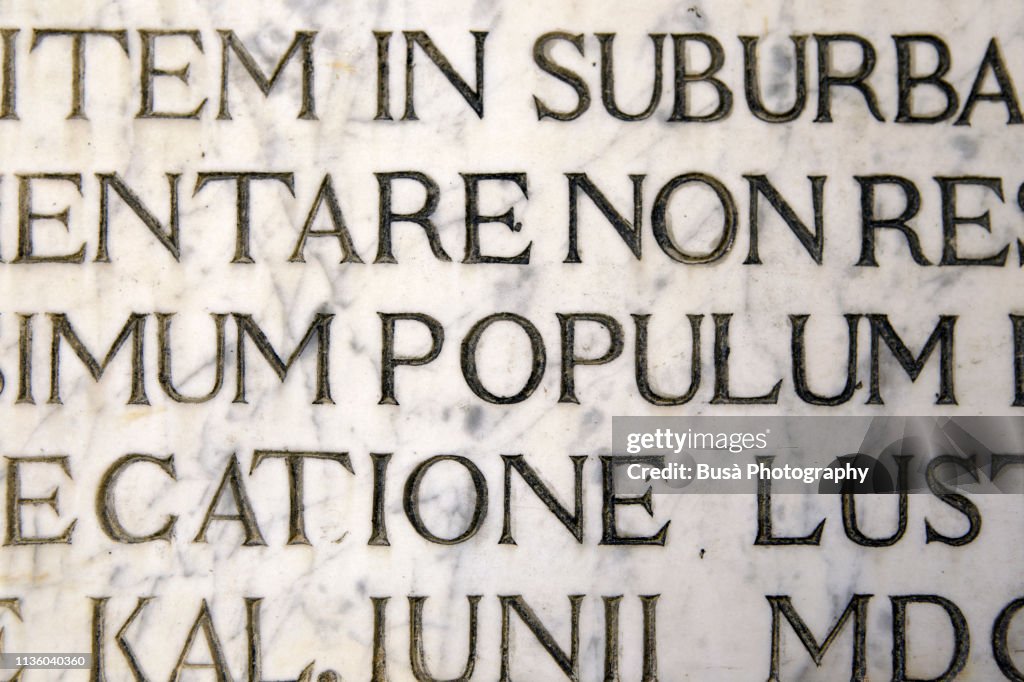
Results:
<point x="303" y="43"/>
<point x="858" y="608"/>
<point x="62" y="330"/>
<point x="320" y="329"/>
<point x="941" y="338"/>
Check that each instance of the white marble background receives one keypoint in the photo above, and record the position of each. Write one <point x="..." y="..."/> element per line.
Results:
<point x="713" y="619"/>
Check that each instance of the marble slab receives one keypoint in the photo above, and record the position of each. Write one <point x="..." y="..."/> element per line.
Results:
<point x="293" y="293"/>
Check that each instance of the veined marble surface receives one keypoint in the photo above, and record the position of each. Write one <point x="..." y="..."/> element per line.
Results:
<point x="713" y="619"/>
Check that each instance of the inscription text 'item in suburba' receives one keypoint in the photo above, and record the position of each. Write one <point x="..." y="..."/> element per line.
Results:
<point x="589" y="72"/>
